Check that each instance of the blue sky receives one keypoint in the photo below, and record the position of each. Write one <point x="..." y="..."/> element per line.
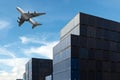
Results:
<point x="19" y="44"/>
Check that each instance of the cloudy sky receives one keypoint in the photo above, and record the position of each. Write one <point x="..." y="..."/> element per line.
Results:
<point x="19" y="44"/>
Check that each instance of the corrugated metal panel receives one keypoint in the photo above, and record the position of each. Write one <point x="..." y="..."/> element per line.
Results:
<point x="70" y="26"/>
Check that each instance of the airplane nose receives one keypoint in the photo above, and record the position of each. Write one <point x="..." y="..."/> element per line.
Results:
<point x="18" y="8"/>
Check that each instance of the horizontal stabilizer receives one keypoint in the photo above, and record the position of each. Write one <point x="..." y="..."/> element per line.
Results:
<point x="28" y="17"/>
<point x="35" y="25"/>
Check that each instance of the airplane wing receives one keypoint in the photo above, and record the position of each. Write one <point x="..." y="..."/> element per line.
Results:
<point x="27" y="17"/>
<point x="34" y="14"/>
<point x="37" y="14"/>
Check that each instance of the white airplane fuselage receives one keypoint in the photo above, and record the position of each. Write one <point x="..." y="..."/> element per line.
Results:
<point x="27" y="17"/>
<point x="23" y="15"/>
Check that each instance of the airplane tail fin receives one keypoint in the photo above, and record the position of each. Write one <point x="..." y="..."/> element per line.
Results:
<point x="35" y="25"/>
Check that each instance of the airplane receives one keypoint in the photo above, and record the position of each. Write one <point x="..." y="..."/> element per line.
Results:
<point x="28" y="17"/>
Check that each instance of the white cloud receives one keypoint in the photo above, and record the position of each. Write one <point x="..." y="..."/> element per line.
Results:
<point x="31" y="39"/>
<point x="4" y="51"/>
<point x="44" y="50"/>
<point x="24" y="39"/>
<point x="16" y="65"/>
<point x="39" y="38"/>
<point x="18" y="68"/>
<point x="4" y="24"/>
